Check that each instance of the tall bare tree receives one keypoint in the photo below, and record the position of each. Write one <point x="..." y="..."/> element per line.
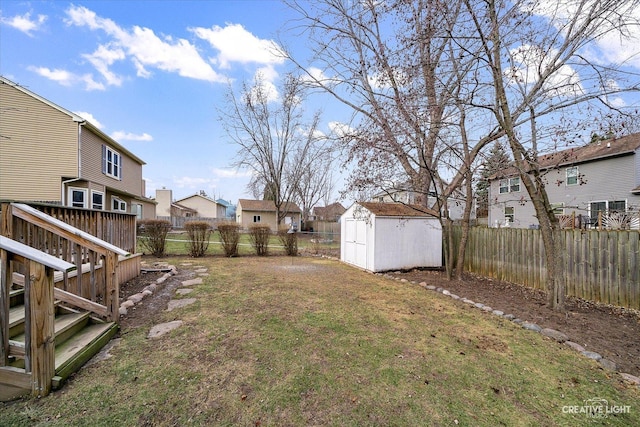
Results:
<point x="535" y="66"/>
<point x="397" y="66"/>
<point x="276" y="140"/>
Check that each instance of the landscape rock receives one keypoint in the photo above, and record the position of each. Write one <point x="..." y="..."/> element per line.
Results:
<point x="423" y="284"/>
<point x="592" y="355"/>
<point x="179" y="303"/>
<point x="509" y="316"/>
<point x="498" y="312"/>
<point x="431" y="287"/>
<point x="575" y="346"/>
<point x="184" y="291"/>
<point x="631" y="378"/>
<point x="197" y="281"/>
<point x="608" y="364"/>
<point x="127" y="304"/>
<point x="123" y="311"/>
<point x="446" y="292"/>
<point x="163" y="328"/>
<point x="553" y="334"/>
<point x="531" y="326"/>
<point x="136" y="298"/>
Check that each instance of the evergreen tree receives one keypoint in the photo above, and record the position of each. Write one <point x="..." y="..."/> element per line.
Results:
<point x="497" y="160"/>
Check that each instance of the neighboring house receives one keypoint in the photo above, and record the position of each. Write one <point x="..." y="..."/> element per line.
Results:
<point x="230" y="209"/>
<point x="205" y="206"/>
<point x="249" y="212"/>
<point x="390" y="236"/>
<point x="195" y="207"/>
<point x="598" y="179"/>
<point x="404" y="194"/>
<point x="49" y="154"/>
<point x="329" y="213"/>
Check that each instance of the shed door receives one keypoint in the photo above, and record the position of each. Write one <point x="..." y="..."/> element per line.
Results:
<point x="355" y="242"/>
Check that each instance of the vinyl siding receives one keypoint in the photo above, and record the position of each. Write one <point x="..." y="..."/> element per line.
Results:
<point x="205" y="208"/>
<point x="608" y="179"/>
<point x="38" y="147"/>
<point x="91" y="165"/>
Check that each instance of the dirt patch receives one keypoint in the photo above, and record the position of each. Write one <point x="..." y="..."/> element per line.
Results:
<point x="610" y="331"/>
<point x="148" y="311"/>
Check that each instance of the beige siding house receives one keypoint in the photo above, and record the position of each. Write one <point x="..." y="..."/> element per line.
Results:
<point x="204" y="206"/>
<point x="49" y="154"/>
<point x="251" y="212"/>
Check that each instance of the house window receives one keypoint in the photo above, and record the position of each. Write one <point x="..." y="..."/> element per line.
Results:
<point x="256" y="218"/>
<point x="605" y="207"/>
<point x="97" y="200"/>
<point x="111" y="163"/>
<point x="514" y="184"/>
<point x="504" y="186"/>
<point x="572" y="175"/>
<point x="509" y="214"/>
<point x="558" y="208"/>
<point x="617" y="206"/>
<point x="78" y="197"/>
<point x="136" y="208"/>
<point x="118" y="205"/>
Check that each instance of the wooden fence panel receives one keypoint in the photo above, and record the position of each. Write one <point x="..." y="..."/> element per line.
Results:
<point x="602" y="266"/>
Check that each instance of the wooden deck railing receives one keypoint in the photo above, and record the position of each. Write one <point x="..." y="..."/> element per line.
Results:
<point x="38" y="350"/>
<point x="94" y="285"/>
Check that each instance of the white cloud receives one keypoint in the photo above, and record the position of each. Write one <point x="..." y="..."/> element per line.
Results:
<point x="236" y="44"/>
<point x="89" y="117"/>
<point x="67" y="78"/>
<point x="24" y="23"/>
<point x="128" y="136"/>
<point x="532" y="61"/>
<point x="104" y="57"/>
<point x="231" y="173"/>
<point x="340" y="129"/>
<point x="143" y="47"/>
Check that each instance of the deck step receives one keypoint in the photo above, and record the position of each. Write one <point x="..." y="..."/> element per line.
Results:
<point x="77" y="350"/>
<point x="66" y="325"/>
<point x="16" y="297"/>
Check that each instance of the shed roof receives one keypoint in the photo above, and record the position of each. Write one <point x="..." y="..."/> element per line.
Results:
<point x="398" y="209"/>
<point x="266" y="206"/>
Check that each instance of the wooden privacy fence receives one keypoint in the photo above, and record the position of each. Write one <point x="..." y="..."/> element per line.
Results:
<point x="601" y="266"/>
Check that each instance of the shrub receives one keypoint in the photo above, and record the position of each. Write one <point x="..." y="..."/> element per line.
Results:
<point x="289" y="241"/>
<point x="259" y="235"/>
<point x="230" y="236"/>
<point x="152" y="234"/>
<point x="199" y="233"/>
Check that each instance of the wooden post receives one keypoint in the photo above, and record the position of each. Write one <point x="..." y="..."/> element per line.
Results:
<point x="111" y="286"/>
<point x="5" y="286"/>
<point x="42" y="315"/>
<point x="6" y="221"/>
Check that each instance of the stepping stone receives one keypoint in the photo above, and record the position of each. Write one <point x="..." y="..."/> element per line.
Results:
<point x="179" y="303"/>
<point x="184" y="291"/>
<point x="163" y="328"/>
<point x="201" y="270"/>
<point x="197" y="281"/>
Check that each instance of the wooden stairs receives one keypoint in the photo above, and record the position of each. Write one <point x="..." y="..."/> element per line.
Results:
<point x="78" y="336"/>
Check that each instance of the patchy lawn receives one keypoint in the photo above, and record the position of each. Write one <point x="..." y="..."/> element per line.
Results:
<point x="308" y="341"/>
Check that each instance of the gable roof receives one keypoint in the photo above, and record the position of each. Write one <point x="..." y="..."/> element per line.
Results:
<point x="266" y="206"/>
<point x="398" y="209"/>
<point x="209" y="199"/>
<point x="75" y="117"/>
<point x="331" y="210"/>
<point x="614" y="147"/>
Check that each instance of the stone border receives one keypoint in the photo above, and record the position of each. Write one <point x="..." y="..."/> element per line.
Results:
<point x="146" y="291"/>
<point x="550" y="333"/>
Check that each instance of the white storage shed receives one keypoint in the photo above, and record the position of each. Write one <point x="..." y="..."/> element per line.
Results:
<point x="390" y="236"/>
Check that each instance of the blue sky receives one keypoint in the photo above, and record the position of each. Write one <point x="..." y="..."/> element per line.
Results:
<point x="150" y="74"/>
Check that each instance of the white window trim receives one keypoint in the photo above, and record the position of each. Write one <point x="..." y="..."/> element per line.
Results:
<point x="513" y="215"/>
<point x="122" y="205"/>
<point x="138" y="210"/>
<point x="519" y="184"/>
<point x="500" y="186"/>
<point x="71" y="190"/>
<point x="558" y="207"/>
<point x="258" y="217"/>
<point x="103" y="198"/>
<point x="114" y="154"/>
<point x="577" y="174"/>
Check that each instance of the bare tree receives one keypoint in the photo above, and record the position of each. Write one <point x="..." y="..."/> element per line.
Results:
<point x="275" y="142"/>
<point x="316" y="182"/>
<point x="399" y="68"/>
<point x="535" y="66"/>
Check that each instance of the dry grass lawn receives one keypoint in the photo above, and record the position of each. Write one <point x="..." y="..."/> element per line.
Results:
<point x="280" y="341"/>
